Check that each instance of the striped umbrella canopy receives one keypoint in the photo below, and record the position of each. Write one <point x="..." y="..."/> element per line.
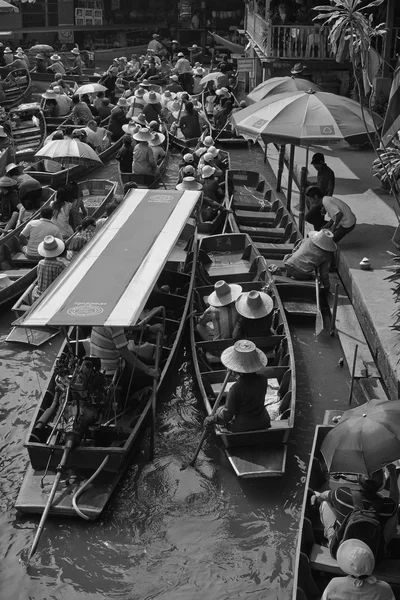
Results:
<point x="305" y="119"/>
<point x="5" y="7"/>
<point x="280" y="85"/>
<point x="69" y="152"/>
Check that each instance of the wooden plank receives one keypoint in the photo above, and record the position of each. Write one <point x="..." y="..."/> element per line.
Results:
<point x="256" y="462"/>
<point x="350" y="334"/>
<point x="300" y="308"/>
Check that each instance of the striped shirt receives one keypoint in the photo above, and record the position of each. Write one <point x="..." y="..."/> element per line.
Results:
<point x="48" y="270"/>
<point x="105" y="343"/>
<point x="223" y="320"/>
<point x="342" y="501"/>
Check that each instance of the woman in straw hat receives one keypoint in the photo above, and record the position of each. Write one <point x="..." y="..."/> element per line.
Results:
<point x="152" y="109"/>
<point x="244" y="409"/>
<point x="56" y="65"/>
<point x="256" y="311"/>
<point x="356" y="559"/>
<point x="189" y="122"/>
<point x="312" y="254"/>
<point x="221" y="314"/>
<point x="189" y="183"/>
<point x="155" y="144"/>
<point x="187" y="171"/>
<point x="143" y="157"/>
<point x="50" y="267"/>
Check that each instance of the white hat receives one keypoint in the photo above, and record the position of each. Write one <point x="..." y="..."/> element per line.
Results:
<point x="2" y="132"/>
<point x="180" y="54"/>
<point x="174" y="77"/>
<point x="208" y="157"/>
<point x="123" y="102"/>
<point x="130" y="127"/>
<point x="5" y="281"/>
<point x="75" y="51"/>
<point x="51" y="247"/>
<point x="157" y="139"/>
<point x="199" y="71"/>
<point x="213" y="151"/>
<point x="57" y="89"/>
<point x="55" y="57"/>
<point x="10" y="167"/>
<point x="188" y="158"/>
<point x="323" y="239"/>
<point x="8" y="50"/>
<point x="174" y="42"/>
<point x="156" y="35"/>
<point x="244" y="357"/>
<point x="208" y="141"/>
<point x="169" y="95"/>
<point x="355" y="558"/>
<point x="143" y="135"/>
<point x="207" y="171"/>
<point x="152" y="98"/>
<point x="189" y="183"/>
<point x="49" y="95"/>
<point x="224" y="293"/>
<point x="254" y="305"/>
<point x="139" y="93"/>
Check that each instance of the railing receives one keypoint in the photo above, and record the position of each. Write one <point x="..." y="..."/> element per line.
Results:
<point x="288" y="41"/>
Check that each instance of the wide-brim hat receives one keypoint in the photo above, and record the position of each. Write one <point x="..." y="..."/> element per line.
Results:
<point x="55" y="57"/>
<point x="355" y="558"/>
<point x="254" y="305"/>
<point x="8" y="50"/>
<point x="139" y="93"/>
<point x="168" y="95"/>
<point x="208" y="141"/>
<point x="51" y="247"/>
<point x="75" y="51"/>
<point x="6" y="182"/>
<point x="189" y="170"/>
<point x="152" y="98"/>
<point x="207" y="171"/>
<point x="19" y="55"/>
<point x="188" y="158"/>
<point x="244" y="357"/>
<point x="140" y="120"/>
<point x="298" y="68"/>
<point x="143" y="135"/>
<point x="193" y="47"/>
<point x="323" y="239"/>
<point x="2" y="132"/>
<point x="5" y="281"/>
<point x="157" y="139"/>
<point x="213" y="151"/>
<point x="49" y="95"/>
<point x="145" y="84"/>
<point x="131" y="128"/>
<point x="175" y="42"/>
<point x="39" y="56"/>
<point x="180" y="54"/>
<point x="10" y="167"/>
<point x="19" y="49"/>
<point x="224" y="293"/>
<point x="189" y="183"/>
<point x="123" y="102"/>
<point x="199" y="71"/>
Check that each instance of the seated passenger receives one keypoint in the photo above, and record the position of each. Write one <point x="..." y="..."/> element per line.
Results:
<point x="35" y="231"/>
<point x="125" y="155"/>
<point x="219" y="320"/>
<point x="51" y="266"/>
<point x="143" y="157"/>
<point x="155" y="145"/>
<point x="256" y="311"/>
<point x="75" y="245"/>
<point x="244" y="409"/>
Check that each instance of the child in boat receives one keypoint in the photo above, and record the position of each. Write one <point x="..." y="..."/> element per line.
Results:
<point x="244" y="409"/>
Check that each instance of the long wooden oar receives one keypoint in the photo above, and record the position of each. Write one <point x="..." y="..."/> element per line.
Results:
<point x="154" y="393"/>
<point x="228" y="210"/>
<point x="319" y="321"/>
<point x="214" y="410"/>
<point x="69" y="445"/>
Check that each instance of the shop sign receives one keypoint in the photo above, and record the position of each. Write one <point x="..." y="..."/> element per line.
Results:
<point x="246" y="65"/>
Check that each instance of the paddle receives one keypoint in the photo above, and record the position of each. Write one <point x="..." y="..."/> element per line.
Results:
<point x="319" y="322"/>
<point x="68" y="447"/>
<point x="228" y="210"/>
<point x="214" y="410"/>
<point x="154" y="392"/>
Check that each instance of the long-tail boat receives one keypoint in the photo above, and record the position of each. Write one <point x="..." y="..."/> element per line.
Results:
<point x="86" y="425"/>
<point x="17" y="87"/>
<point x="234" y="258"/>
<point x="314" y="565"/>
<point x="225" y="136"/>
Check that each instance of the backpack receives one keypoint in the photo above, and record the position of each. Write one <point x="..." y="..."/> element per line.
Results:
<point x="361" y="524"/>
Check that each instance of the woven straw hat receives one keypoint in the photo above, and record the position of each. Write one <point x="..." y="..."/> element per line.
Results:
<point x="51" y="247"/>
<point x="208" y="141"/>
<point x="11" y="167"/>
<point x="8" y="50"/>
<point x="143" y="135"/>
<point x="180" y="54"/>
<point x="19" y="54"/>
<point x="123" y="102"/>
<point x="157" y="139"/>
<point x="6" y="182"/>
<point x="75" y="51"/>
<point x="323" y="239"/>
<point x="189" y="183"/>
<point x="152" y="98"/>
<point x="199" y="71"/>
<point x="208" y="157"/>
<point x="39" y="56"/>
<point x="244" y="357"/>
<point x="254" y="305"/>
<point x="131" y="128"/>
<point x="5" y="281"/>
<point x="168" y="95"/>
<point x="213" y="151"/>
<point x="355" y="558"/>
<point x="298" y="68"/>
<point x="189" y="170"/>
<point x="145" y="84"/>
<point x="207" y="171"/>
<point x="55" y="57"/>
<point x="140" y="120"/>
<point x="49" y="95"/>
<point x="139" y="93"/>
<point x="224" y="293"/>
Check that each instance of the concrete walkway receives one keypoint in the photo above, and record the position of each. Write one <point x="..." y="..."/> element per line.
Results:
<point x="370" y="294"/>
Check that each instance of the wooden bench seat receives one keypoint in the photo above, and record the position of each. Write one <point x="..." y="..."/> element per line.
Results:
<point x="222" y="271"/>
<point x="252" y="217"/>
<point x="274" y="249"/>
<point x="25" y="130"/>
<point x="321" y="560"/>
<point x="263" y="233"/>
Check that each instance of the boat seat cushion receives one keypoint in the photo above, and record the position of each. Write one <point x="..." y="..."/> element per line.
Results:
<point x="321" y="560"/>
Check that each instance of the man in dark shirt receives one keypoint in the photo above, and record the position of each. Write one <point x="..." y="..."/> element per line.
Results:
<point x="326" y="183"/>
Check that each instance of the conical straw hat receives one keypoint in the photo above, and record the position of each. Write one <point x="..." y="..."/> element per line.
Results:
<point x="323" y="239"/>
<point x="254" y="305"/>
<point x="244" y="357"/>
<point x="224" y="293"/>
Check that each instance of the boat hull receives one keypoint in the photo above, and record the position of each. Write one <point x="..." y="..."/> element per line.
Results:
<point x="28" y="137"/>
<point x="19" y="90"/>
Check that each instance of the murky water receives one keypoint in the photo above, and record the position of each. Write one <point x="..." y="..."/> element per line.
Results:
<point x="167" y="533"/>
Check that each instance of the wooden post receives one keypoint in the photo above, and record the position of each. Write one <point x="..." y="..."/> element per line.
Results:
<point x="352" y="373"/>
<point x="302" y="203"/>
<point x="281" y="162"/>
<point x="265" y="153"/>
<point x="388" y="38"/>
<point x="290" y="179"/>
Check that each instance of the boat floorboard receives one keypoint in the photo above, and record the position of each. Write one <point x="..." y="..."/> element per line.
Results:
<point x="258" y="461"/>
<point x="32" y="498"/>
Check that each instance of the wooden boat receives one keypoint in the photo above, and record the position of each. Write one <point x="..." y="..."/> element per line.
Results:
<point x="225" y="136"/>
<point x="42" y="81"/>
<point x="96" y="195"/>
<point x="182" y="143"/>
<point x="314" y="566"/>
<point x="37" y="170"/>
<point x="83" y="296"/>
<point x="27" y="130"/>
<point x="259" y="453"/>
<point x="148" y="181"/>
<point x="13" y="263"/>
<point x="19" y="86"/>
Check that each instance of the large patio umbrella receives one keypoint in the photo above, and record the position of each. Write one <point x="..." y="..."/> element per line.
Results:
<point x="281" y="85"/>
<point x="367" y="438"/>
<point x="90" y="88"/>
<point x="5" y="7"/>
<point x="69" y="152"/>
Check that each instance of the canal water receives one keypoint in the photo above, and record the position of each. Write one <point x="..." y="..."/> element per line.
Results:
<point x="167" y="533"/>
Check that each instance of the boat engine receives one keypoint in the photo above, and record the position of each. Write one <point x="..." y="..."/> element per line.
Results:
<point x="88" y="394"/>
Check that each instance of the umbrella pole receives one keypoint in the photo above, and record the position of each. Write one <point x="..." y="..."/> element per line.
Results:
<point x="352" y="373"/>
<point x="265" y="152"/>
<point x="290" y="179"/>
<point x="302" y="202"/>
<point x="280" y="167"/>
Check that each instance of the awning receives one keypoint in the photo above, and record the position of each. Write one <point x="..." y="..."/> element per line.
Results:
<point x="235" y="48"/>
<point x="112" y="277"/>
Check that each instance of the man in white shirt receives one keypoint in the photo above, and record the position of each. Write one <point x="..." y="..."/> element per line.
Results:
<point x="64" y="102"/>
<point x="35" y="231"/>
<point x="342" y="220"/>
<point x="95" y="135"/>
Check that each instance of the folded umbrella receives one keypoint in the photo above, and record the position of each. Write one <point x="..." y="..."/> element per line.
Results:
<point x="366" y="439"/>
